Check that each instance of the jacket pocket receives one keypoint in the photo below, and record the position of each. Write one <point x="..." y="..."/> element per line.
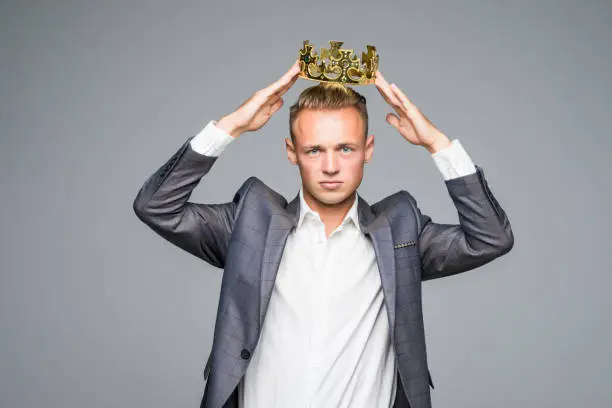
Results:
<point x="406" y="254"/>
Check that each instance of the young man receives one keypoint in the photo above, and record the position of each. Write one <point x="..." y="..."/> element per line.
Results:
<point x="320" y="302"/>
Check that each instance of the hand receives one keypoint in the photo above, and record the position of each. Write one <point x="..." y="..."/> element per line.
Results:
<point x="259" y="108"/>
<point x="411" y="123"/>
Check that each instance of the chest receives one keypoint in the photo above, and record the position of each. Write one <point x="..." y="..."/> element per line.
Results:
<point x="338" y="272"/>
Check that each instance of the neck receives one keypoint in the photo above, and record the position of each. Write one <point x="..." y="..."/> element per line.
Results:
<point x="331" y="214"/>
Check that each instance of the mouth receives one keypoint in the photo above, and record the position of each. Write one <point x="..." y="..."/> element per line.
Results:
<point x="330" y="185"/>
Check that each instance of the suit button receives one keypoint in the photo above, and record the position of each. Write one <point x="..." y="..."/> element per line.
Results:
<point x="245" y="354"/>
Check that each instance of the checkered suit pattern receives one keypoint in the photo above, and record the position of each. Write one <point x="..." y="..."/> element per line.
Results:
<point x="246" y="237"/>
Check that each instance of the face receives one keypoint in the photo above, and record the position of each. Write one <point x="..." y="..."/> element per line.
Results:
<point x="329" y="146"/>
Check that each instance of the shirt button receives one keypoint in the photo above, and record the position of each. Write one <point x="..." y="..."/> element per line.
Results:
<point x="245" y="354"/>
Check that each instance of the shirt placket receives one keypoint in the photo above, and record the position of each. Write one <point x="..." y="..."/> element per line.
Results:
<point x="316" y="303"/>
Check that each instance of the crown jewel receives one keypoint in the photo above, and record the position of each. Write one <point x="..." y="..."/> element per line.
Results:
<point x="336" y="64"/>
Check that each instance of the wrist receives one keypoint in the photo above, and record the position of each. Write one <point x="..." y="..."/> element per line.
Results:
<point x="440" y="143"/>
<point x="225" y="124"/>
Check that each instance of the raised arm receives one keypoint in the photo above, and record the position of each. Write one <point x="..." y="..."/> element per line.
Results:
<point x="163" y="201"/>
<point x="484" y="231"/>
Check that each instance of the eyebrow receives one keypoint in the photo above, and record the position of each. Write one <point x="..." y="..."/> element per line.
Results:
<point x="318" y="146"/>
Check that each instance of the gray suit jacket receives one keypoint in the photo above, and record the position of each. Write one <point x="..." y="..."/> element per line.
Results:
<point x="246" y="238"/>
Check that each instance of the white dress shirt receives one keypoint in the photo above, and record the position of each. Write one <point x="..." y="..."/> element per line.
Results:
<point x="325" y="339"/>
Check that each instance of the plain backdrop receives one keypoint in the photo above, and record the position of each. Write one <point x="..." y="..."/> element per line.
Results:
<point x="98" y="311"/>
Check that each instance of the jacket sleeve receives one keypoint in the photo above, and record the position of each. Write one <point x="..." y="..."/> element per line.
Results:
<point x="483" y="233"/>
<point x="200" y="229"/>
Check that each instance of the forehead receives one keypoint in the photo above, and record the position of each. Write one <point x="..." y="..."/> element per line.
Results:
<point x="328" y="125"/>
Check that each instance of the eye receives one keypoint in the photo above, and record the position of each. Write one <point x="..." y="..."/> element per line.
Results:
<point x="346" y="149"/>
<point x="313" y="150"/>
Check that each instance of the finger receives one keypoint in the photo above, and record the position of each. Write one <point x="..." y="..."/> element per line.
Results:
<point x="272" y="100"/>
<point x="393" y="101"/>
<point x="380" y="80"/>
<point x="381" y="83"/>
<point x="385" y="90"/>
<point x="279" y="87"/>
<point x="383" y="86"/>
<point x="284" y="80"/>
<point x="276" y="106"/>
<point x="390" y="98"/>
<point x="285" y="88"/>
<point x="406" y="103"/>
<point x="393" y="120"/>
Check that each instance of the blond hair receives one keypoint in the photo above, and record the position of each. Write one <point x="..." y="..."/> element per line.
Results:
<point x="328" y="95"/>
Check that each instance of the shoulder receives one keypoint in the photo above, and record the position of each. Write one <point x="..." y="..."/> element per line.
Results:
<point x="255" y="189"/>
<point x="400" y="211"/>
<point x="401" y="202"/>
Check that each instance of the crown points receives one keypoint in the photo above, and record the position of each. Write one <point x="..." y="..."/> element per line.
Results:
<point x="335" y="64"/>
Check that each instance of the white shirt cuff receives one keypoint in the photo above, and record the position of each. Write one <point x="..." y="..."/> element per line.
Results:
<point x="454" y="161"/>
<point x="211" y="141"/>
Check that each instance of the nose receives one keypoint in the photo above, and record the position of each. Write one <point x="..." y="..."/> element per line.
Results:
<point x="330" y="164"/>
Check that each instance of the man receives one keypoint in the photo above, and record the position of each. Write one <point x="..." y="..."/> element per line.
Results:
<point x="320" y="302"/>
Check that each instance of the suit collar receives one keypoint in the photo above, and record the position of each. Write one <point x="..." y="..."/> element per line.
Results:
<point x="376" y="227"/>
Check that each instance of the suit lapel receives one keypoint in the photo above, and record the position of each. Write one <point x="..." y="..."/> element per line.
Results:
<point x="376" y="228"/>
<point x="379" y="231"/>
<point x="281" y="224"/>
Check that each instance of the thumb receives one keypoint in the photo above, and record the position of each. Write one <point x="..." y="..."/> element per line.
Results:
<point x="276" y="106"/>
<point x="393" y="120"/>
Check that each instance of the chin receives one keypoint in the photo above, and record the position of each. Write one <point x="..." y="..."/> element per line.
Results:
<point x="333" y="197"/>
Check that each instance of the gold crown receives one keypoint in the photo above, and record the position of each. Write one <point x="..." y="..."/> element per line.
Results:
<point x="338" y="65"/>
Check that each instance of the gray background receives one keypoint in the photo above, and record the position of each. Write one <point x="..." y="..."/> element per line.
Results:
<point x="98" y="311"/>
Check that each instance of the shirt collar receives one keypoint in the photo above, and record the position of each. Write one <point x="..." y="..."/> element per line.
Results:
<point x="351" y="215"/>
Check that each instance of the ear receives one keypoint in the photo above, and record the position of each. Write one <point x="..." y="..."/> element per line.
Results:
<point x="291" y="154"/>
<point x="369" y="148"/>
